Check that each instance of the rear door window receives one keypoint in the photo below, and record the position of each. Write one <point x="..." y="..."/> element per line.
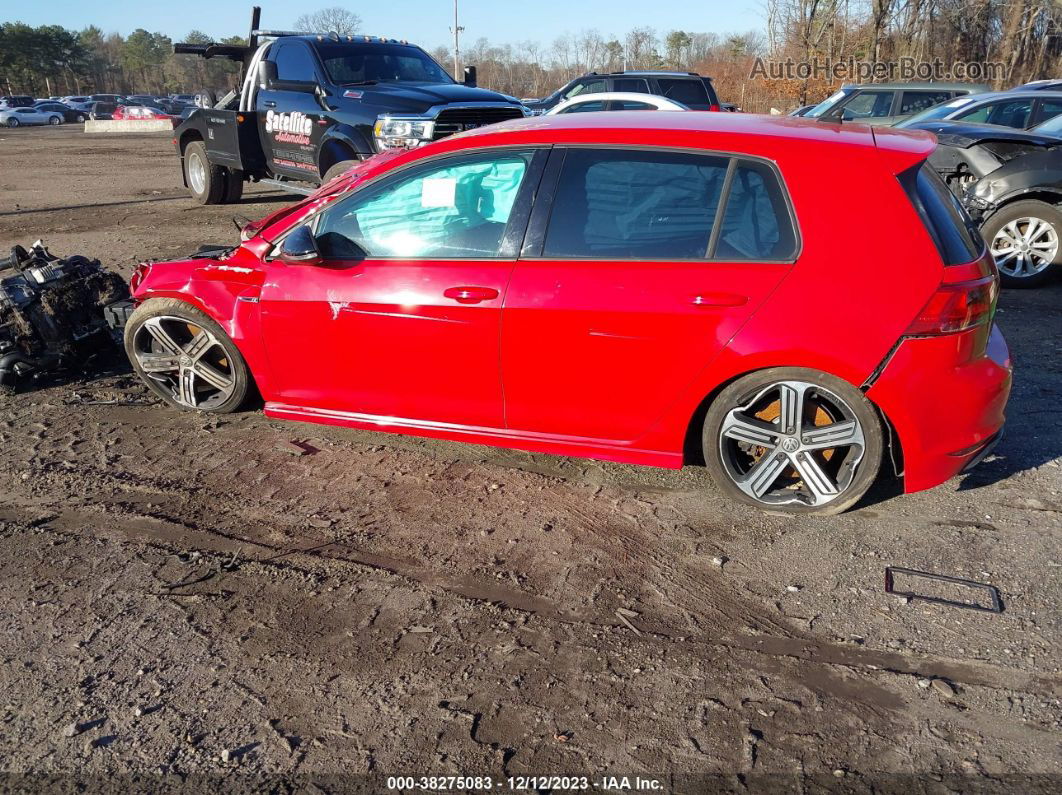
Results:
<point x="691" y="93"/>
<point x="619" y="204"/>
<point x="915" y="101"/>
<point x="1049" y="108"/>
<point x="756" y="224"/>
<point x="1012" y="113"/>
<point x="635" y="85"/>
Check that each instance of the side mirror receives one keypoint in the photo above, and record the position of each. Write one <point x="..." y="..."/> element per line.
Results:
<point x="470" y="76"/>
<point x="300" y="247"/>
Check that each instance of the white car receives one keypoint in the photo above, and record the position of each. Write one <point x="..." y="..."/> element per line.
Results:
<point x="615" y="100"/>
<point x="17" y="117"/>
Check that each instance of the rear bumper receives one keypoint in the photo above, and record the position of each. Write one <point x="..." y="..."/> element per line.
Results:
<point x="945" y="397"/>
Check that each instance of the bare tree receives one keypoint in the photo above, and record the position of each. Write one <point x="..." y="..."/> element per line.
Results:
<point x="326" y="20"/>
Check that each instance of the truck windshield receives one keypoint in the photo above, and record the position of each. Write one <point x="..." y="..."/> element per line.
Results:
<point x="348" y="63"/>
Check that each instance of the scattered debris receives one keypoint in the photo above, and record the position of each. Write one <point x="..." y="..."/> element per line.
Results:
<point x="995" y="605"/>
<point x="924" y="683"/>
<point x="719" y="560"/>
<point x="793" y="588"/>
<point x="563" y="737"/>
<point x="622" y="614"/>
<point x="297" y="448"/>
<point x="52" y="313"/>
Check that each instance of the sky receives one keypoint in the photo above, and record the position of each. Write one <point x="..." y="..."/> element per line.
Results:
<point x="424" y="22"/>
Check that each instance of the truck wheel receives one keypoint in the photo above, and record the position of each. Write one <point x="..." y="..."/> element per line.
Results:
<point x="341" y="167"/>
<point x="205" y="180"/>
<point x="233" y="186"/>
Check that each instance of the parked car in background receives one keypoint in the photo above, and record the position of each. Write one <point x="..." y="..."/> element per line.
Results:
<point x="662" y="267"/>
<point x="75" y="100"/>
<point x="614" y="100"/>
<point x="23" y="117"/>
<point x="1052" y="127"/>
<point x="692" y="90"/>
<point x="16" y="102"/>
<point x="1010" y="181"/>
<point x="188" y="98"/>
<point x="70" y="115"/>
<point x="1018" y="109"/>
<point x="801" y="111"/>
<point x="102" y="111"/>
<point x="141" y="112"/>
<point x="115" y="98"/>
<point x="887" y="103"/>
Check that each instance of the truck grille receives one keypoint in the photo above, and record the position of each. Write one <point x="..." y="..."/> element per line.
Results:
<point x="458" y="120"/>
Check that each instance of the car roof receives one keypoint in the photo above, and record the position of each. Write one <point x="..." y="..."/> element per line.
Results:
<point x="988" y="96"/>
<point x="979" y="87"/>
<point x="721" y="131"/>
<point x="620" y="96"/>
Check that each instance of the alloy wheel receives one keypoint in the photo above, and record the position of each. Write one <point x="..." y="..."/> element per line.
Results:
<point x="793" y="442"/>
<point x="12" y="122"/>
<point x="186" y="359"/>
<point x="1024" y="247"/>
<point x="54" y="120"/>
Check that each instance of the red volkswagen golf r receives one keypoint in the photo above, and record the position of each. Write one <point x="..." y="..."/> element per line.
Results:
<point x="805" y="300"/>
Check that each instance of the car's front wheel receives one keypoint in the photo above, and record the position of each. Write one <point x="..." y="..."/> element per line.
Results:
<point x="55" y="120"/>
<point x="186" y="358"/>
<point x="12" y="122"/>
<point x="793" y="440"/>
<point x="1024" y="238"/>
<point x="81" y="118"/>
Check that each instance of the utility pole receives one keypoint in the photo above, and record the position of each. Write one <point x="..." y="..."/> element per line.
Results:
<point x="456" y="30"/>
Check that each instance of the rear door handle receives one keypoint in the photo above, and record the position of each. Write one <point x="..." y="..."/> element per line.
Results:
<point x="707" y="299"/>
<point x="470" y="295"/>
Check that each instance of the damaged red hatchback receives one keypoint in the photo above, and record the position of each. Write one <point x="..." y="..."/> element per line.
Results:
<point x="622" y="286"/>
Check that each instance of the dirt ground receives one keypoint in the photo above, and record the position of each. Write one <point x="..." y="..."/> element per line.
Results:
<point x="185" y="602"/>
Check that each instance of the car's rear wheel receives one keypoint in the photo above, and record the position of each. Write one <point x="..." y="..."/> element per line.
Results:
<point x="793" y="440"/>
<point x="81" y="118"/>
<point x="1025" y="239"/>
<point x="186" y="358"/>
<point x="55" y="120"/>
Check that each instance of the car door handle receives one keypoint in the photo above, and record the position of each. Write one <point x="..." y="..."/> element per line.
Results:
<point x="269" y="103"/>
<point x="470" y="295"/>
<point x="719" y="299"/>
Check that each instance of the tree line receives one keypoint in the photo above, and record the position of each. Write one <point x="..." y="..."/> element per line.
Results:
<point x="1023" y="36"/>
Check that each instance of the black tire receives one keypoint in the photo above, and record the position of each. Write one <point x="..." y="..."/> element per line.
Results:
<point x="233" y="186"/>
<point x="212" y="190"/>
<point x="12" y="122"/>
<point x="850" y="475"/>
<point x="55" y="120"/>
<point x="80" y="118"/>
<point x="339" y="168"/>
<point x="1015" y="212"/>
<point x="225" y="357"/>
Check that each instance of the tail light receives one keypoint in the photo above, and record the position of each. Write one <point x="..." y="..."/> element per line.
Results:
<point x="957" y="307"/>
<point x="714" y="107"/>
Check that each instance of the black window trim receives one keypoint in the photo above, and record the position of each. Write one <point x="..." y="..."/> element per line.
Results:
<point x="535" y="238"/>
<point x="516" y="226"/>
<point x="908" y="180"/>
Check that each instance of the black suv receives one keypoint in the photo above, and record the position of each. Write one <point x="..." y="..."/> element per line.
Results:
<point x="309" y="106"/>
<point x="689" y="88"/>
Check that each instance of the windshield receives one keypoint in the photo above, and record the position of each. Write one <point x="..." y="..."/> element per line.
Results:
<point x="348" y="64"/>
<point x="827" y="103"/>
<point x="1052" y="126"/>
<point x="941" y="111"/>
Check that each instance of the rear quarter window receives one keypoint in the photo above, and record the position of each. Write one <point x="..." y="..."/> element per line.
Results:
<point x="953" y="231"/>
<point x="691" y="93"/>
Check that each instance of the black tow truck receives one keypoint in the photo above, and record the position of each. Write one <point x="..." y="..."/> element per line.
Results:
<point x="308" y="106"/>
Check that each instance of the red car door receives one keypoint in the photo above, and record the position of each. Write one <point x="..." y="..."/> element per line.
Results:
<point x="402" y="318"/>
<point x="617" y="303"/>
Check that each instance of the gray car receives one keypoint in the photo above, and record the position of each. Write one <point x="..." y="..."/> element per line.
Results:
<point x="887" y="103"/>
<point x="17" y="117"/>
<point x="1018" y="109"/>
